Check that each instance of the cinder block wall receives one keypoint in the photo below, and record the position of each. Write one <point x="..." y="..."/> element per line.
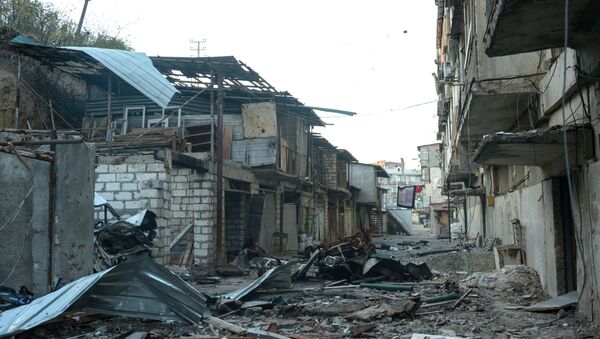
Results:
<point x="178" y="196"/>
<point x="329" y="161"/>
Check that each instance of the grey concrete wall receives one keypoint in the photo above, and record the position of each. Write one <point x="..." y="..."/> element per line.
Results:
<point x="534" y="207"/>
<point x="17" y="250"/>
<point x="72" y="248"/>
<point x="587" y="191"/>
<point x="474" y="216"/>
<point x="363" y="177"/>
<point x="28" y="249"/>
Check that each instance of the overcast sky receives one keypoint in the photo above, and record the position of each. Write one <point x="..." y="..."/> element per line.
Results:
<point x="371" y="57"/>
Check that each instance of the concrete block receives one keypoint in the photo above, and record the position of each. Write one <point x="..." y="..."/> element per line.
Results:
<point x="202" y="237"/>
<point x="136" y="168"/>
<point x="132" y="205"/>
<point x="112" y="186"/>
<point x="179" y="193"/>
<point x="118" y="205"/>
<point x="157" y="167"/>
<point x="125" y="177"/>
<point x="102" y="169"/>
<point x="145" y="176"/>
<point x="150" y="193"/>
<point x="137" y="195"/>
<point x="107" y="195"/>
<point x="179" y="214"/>
<point x="106" y="178"/>
<point x="129" y="187"/>
<point x="123" y="196"/>
<point x="117" y="168"/>
<point x="180" y="178"/>
<point x="98" y="187"/>
<point x="162" y="175"/>
<point x="154" y="203"/>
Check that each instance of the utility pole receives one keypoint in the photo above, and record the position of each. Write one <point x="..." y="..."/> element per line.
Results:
<point x="221" y="254"/>
<point x="198" y="46"/>
<point x="85" y="3"/>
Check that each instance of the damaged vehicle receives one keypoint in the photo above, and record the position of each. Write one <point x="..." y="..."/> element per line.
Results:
<point x="116" y="241"/>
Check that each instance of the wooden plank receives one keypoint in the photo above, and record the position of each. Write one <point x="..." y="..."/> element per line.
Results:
<point x="225" y="325"/>
<point x="180" y="235"/>
<point x="227" y="142"/>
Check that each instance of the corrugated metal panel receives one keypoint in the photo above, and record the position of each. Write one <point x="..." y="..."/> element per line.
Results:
<point x="47" y="307"/>
<point x="234" y="120"/>
<point x="136" y="69"/>
<point x="137" y="288"/>
<point x="276" y="277"/>
<point x="254" y="152"/>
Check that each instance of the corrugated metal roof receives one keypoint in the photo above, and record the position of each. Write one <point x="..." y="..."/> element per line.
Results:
<point x="137" y="288"/>
<point x="135" y="68"/>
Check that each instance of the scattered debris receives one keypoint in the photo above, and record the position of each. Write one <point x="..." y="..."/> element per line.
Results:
<point x="517" y="279"/>
<point x="137" y="288"/>
<point x="117" y="241"/>
<point x="10" y="298"/>
<point x="278" y="277"/>
<point x="562" y="301"/>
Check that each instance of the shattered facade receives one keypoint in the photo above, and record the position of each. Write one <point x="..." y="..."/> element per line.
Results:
<point x="503" y="113"/>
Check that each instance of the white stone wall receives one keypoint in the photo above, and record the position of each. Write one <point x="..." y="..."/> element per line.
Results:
<point x="178" y="196"/>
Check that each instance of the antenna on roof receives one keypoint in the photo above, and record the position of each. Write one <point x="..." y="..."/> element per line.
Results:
<point x="198" y="46"/>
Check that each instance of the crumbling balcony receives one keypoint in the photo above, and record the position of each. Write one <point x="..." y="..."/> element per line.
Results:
<point x="519" y="26"/>
<point x="537" y="147"/>
<point x="496" y="106"/>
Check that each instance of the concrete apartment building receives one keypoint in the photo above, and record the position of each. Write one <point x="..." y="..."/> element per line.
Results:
<point x="503" y="118"/>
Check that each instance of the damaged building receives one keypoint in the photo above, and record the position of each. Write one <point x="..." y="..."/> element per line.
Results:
<point x="518" y="111"/>
<point x="222" y="159"/>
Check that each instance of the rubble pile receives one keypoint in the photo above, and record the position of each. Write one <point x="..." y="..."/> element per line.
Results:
<point x="510" y="281"/>
<point x="359" y="293"/>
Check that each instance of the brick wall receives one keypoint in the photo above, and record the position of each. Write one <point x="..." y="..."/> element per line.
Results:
<point x="178" y="196"/>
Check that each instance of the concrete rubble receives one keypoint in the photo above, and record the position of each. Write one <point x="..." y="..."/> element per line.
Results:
<point x="272" y="306"/>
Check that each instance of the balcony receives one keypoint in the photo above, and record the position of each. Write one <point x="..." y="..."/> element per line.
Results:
<point x="496" y="106"/>
<point x="537" y="147"/>
<point x="519" y="26"/>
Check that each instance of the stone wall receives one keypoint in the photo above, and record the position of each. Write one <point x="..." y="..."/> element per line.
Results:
<point x="178" y="196"/>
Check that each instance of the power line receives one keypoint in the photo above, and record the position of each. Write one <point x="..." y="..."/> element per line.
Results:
<point x="387" y="111"/>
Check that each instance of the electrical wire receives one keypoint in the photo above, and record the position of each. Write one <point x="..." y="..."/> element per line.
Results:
<point x="567" y="162"/>
<point x="18" y="209"/>
<point x="382" y="112"/>
<point x="21" y="252"/>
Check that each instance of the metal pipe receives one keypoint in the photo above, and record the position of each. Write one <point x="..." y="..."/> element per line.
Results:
<point x="212" y="119"/>
<point x="18" y="94"/>
<point x="220" y="198"/>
